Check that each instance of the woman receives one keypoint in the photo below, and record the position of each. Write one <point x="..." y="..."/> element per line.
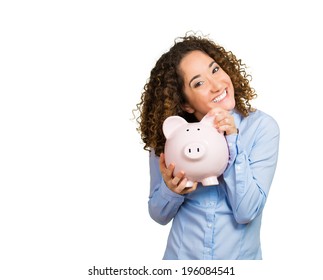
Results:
<point x="194" y="78"/>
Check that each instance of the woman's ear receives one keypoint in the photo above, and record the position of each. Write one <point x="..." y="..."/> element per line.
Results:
<point x="186" y="107"/>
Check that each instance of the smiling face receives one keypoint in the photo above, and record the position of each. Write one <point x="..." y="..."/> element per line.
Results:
<point x="206" y="85"/>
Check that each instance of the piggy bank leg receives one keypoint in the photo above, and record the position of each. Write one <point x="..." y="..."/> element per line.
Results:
<point x="189" y="184"/>
<point x="209" y="181"/>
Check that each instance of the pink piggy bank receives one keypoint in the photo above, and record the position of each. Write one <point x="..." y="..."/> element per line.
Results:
<point x="196" y="148"/>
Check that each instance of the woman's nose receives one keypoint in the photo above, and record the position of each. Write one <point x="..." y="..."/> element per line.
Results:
<point x="214" y="85"/>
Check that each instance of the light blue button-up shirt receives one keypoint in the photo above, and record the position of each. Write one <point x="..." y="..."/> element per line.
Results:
<point x="222" y="221"/>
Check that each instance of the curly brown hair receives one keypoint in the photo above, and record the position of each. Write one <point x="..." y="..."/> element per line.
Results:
<point x="163" y="94"/>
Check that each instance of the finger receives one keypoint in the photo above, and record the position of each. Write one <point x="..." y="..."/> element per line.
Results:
<point x="223" y="128"/>
<point x="221" y="119"/>
<point x="181" y="186"/>
<point x="179" y="176"/>
<point x="223" y="115"/>
<point x="215" y="111"/>
<point x="175" y="181"/>
<point x="226" y="121"/>
<point x="228" y="129"/>
<point x="191" y="189"/>
<point x="170" y="170"/>
<point x="218" y="123"/>
<point x="162" y="165"/>
<point x="167" y="173"/>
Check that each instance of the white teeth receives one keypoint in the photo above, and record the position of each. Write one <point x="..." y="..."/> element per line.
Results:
<point x="220" y="97"/>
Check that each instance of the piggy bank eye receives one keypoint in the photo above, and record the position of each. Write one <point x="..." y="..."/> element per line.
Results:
<point x="187" y="129"/>
<point x="198" y="129"/>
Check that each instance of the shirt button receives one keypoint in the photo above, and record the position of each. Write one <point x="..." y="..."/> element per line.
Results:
<point x="238" y="167"/>
<point x="209" y="225"/>
<point x="230" y="144"/>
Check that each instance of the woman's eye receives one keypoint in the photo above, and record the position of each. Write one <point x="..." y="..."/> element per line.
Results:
<point x="215" y="69"/>
<point x="198" y="84"/>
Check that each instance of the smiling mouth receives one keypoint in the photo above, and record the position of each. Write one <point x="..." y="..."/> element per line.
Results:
<point x="220" y="97"/>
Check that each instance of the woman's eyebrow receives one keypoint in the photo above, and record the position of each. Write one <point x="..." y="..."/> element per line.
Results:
<point x="197" y="76"/>
<point x="210" y="65"/>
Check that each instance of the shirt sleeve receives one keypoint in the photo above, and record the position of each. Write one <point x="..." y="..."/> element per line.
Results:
<point x="163" y="203"/>
<point x="250" y="171"/>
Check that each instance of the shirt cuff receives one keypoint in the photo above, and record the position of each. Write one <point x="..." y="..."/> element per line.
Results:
<point x="232" y="141"/>
<point x="170" y="195"/>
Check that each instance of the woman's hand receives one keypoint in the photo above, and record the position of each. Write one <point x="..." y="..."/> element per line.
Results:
<point x="223" y="121"/>
<point x="176" y="184"/>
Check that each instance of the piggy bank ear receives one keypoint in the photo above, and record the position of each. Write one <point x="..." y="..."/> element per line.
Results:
<point x="208" y="120"/>
<point x="171" y="124"/>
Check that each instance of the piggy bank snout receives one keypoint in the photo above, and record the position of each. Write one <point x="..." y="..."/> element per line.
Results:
<point x="194" y="150"/>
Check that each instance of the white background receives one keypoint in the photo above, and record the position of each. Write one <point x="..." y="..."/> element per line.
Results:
<point x="74" y="178"/>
